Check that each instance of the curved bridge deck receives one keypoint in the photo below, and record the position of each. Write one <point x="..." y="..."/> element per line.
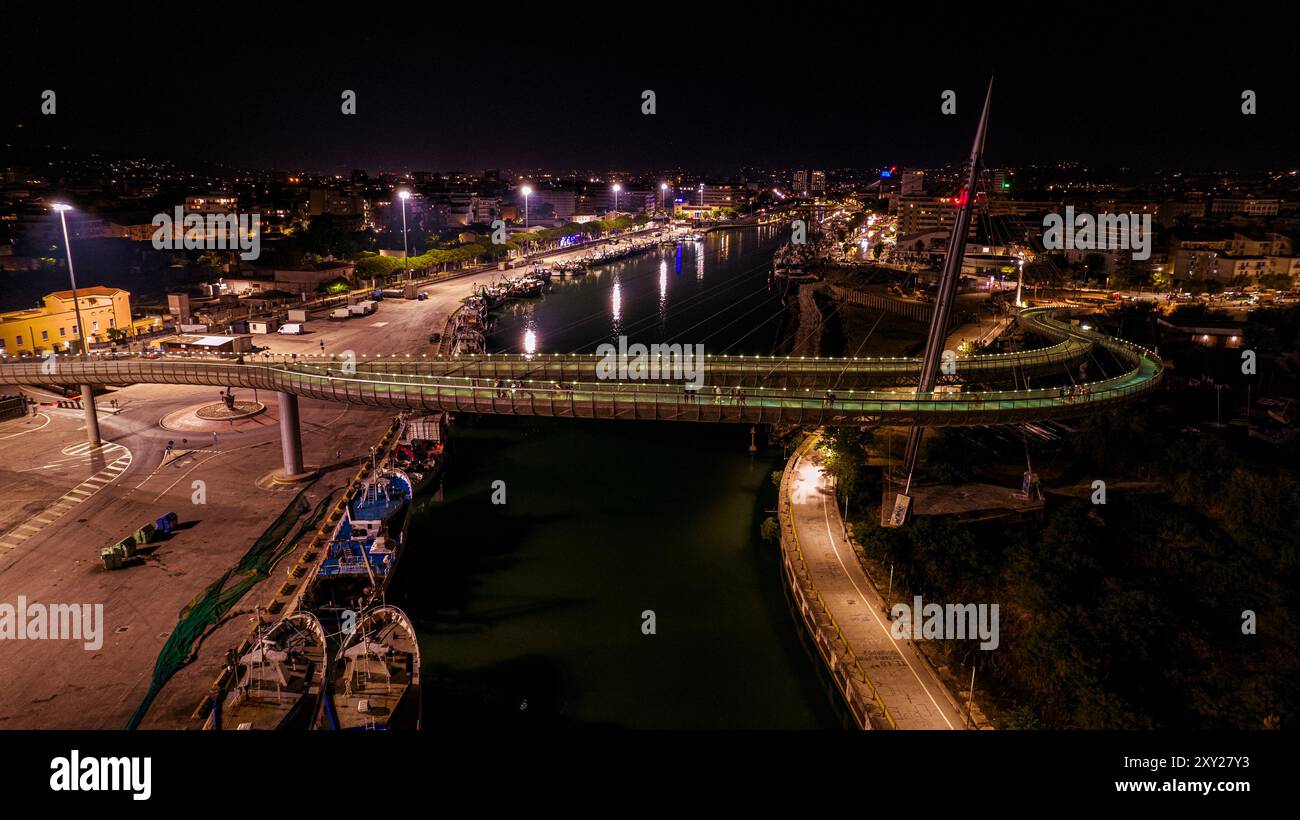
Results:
<point x="556" y="386"/>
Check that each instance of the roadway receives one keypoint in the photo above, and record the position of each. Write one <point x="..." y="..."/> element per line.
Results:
<point x="910" y="691"/>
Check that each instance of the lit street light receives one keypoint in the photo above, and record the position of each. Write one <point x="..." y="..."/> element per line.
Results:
<point x="663" y="189"/>
<point x="1020" y="281"/>
<point x="72" y="276"/>
<point x="527" y="191"/>
<point x="405" y="195"/>
<point x="87" y="392"/>
<point x="617" y="188"/>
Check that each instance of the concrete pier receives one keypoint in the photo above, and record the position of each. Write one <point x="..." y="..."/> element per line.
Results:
<point x="92" y="418"/>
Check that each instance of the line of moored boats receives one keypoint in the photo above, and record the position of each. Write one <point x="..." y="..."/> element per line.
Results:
<point x="346" y="659"/>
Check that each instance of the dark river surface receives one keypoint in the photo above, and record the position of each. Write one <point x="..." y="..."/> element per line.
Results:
<point x="531" y="611"/>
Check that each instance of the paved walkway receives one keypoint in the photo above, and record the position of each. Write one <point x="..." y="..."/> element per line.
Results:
<point x="911" y="693"/>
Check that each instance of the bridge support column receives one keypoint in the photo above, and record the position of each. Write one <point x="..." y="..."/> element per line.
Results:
<point x="92" y="418"/>
<point x="291" y="441"/>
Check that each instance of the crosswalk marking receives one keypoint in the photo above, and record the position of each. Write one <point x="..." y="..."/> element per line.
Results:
<point x="70" y="499"/>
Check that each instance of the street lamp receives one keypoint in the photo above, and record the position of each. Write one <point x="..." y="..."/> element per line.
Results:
<point x="701" y="194"/>
<point x="406" y="262"/>
<point x="1020" y="281"/>
<point x="87" y="392"/>
<point x="72" y="276"/>
<point x="617" y="188"/>
<point x="663" y="189"/>
<point x="527" y="191"/>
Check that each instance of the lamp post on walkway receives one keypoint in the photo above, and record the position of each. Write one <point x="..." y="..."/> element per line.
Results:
<point x="405" y="195"/>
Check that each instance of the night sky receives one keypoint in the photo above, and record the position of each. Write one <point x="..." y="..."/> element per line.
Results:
<point x="478" y="86"/>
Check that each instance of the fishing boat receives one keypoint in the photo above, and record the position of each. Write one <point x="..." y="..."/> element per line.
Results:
<point x="375" y="680"/>
<point x="364" y="548"/>
<point x="526" y="287"/>
<point x="571" y="267"/>
<point x="279" y="680"/>
<point x="420" y="451"/>
<point x="468" y="342"/>
<point x="491" y="296"/>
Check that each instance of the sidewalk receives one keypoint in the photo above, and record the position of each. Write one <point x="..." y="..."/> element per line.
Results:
<point x="902" y="682"/>
<point x="980" y="333"/>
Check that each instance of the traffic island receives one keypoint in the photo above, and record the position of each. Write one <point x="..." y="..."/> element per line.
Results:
<point x="219" y="411"/>
<point x="211" y="416"/>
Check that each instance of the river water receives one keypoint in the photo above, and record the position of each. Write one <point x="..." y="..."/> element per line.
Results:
<point x="536" y="610"/>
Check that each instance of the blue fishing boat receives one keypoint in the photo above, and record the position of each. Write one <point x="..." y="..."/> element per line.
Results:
<point x="364" y="549"/>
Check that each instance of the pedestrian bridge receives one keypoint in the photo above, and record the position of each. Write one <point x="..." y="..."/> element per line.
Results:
<point x="757" y="390"/>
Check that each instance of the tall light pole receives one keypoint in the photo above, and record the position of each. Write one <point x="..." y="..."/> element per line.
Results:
<point x="1020" y="281"/>
<point x="527" y="191"/>
<point x="72" y="276"/>
<point x="406" y="253"/>
<point x="617" y="188"/>
<point x="663" y="190"/>
<point x="87" y="391"/>
<point x="701" y="194"/>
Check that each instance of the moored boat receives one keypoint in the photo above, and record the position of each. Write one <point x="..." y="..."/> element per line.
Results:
<point x="375" y="680"/>
<point x="364" y="549"/>
<point x="279" y="680"/>
<point x="526" y="287"/>
<point x="420" y="451"/>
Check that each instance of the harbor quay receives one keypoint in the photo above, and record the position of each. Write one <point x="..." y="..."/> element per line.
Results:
<point x="63" y="500"/>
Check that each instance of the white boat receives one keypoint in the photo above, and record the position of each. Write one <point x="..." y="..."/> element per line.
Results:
<point x="279" y="679"/>
<point x="375" y="680"/>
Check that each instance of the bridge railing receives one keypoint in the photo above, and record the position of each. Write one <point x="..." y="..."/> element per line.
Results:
<point x="394" y="382"/>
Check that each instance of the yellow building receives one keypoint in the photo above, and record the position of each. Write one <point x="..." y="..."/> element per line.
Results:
<point x="53" y="325"/>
